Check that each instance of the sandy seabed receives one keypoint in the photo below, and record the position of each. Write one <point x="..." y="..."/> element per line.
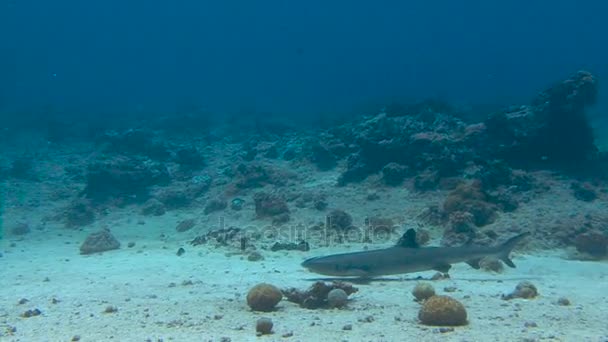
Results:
<point x="200" y="296"/>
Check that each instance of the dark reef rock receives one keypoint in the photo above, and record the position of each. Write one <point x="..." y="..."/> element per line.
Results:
<point x="182" y="194"/>
<point x="290" y="246"/>
<point x="322" y="157"/>
<point x="472" y="199"/>
<point x="583" y="191"/>
<point x="189" y="158"/>
<point x="393" y="174"/>
<point x="185" y="225"/>
<point x="253" y="176"/>
<point x="554" y="131"/>
<point x="99" y="242"/>
<point x="135" y="142"/>
<point x="24" y="168"/>
<point x="223" y="237"/>
<point x="20" y="228"/>
<point x="339" y="220"/>
<point x="153" y="207"/>
<point x="215" y="205"/>
<point x="593" y="243"/>
<point x="78" y="214"/>
<point x="123" y="180"/>
<point x="269" y="205"/>
<point x="316" y="296"/>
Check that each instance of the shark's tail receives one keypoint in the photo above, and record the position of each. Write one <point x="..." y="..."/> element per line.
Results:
<point x="506" y="248"/>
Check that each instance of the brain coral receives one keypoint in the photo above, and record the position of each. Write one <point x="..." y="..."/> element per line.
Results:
<point x="442" y="310"/>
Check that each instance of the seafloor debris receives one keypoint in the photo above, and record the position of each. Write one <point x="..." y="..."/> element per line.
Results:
<point x="264" y="297"/>
<point x="317" y="295"/>
<point x="223" y="236"/>
<point x="290" y="246"/>
<point x="100" y="241"/>
<point x="524" y="289"/>
<point x="442" y="310"/>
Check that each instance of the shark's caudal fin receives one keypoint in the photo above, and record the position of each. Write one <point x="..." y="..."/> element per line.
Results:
<point x="506" y="248"/>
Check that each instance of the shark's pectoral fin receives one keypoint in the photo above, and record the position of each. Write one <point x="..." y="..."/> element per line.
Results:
<point x="443" y="268"/>
<point x="474" y="263"/>
<point x="507" y="261"/>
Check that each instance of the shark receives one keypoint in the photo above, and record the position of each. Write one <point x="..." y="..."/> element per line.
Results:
<point x="408" y="257"/>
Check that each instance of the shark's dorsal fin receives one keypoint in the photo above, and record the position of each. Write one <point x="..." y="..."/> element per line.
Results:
<point x="408" y="239"/>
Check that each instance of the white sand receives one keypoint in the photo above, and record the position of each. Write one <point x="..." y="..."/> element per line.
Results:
<point x="137" y="282"/>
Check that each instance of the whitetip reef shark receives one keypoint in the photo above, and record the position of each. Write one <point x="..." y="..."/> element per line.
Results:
<point x="408" y="257"/>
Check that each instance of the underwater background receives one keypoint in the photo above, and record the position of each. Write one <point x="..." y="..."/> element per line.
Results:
<point x="301" y="171"/>
<point x="289" y="59"/>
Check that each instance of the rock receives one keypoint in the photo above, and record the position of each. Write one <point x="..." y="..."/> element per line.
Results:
<point x="339" y="220"/>
<point x="78" y="214"/>
<point x="237" y="204"/>
<point x="153" y="207"/>
<point x="215" y="205"/>
<point x="20" y="228"/>
<point x="563" y="301"/>
<point x="491" y="264"/>
<point x="583" y="191"/>
<point x="290" y="246"/>
<point x="99" y="242"/>
<point x="189" y="159"/>
<point x="442" y="310"/>
<point x="185" y="225"/>
<point x="423" y="291"/>
<point x="337" y="298"/>
<point x="268" y="205"/>
<point x="393" y="174"/>
<point x="255" y="256"/>
<point x="322" y="157"/>
<point x="264" y="297"/>
<point x="263" y="326"/>
<point x="524" y="289"/>
<point x="594" y="243"/>
<point x="123" y="180"/>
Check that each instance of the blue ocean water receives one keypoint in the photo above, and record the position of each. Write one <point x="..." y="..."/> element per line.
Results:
<point x="303" y="171"/>
<point x="288" y="58"/>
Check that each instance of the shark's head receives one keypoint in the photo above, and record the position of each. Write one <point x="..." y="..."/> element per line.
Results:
<point x="318" y="265"/>
<point x="333" y="265"/>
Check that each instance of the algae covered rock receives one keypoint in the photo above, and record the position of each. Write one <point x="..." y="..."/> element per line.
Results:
<point x="98" y="242"/>
<point x="423" y="291"/>
<point x="442" y="310"/>
<point x="264" y="297"/>
<point x="337" y="298"/>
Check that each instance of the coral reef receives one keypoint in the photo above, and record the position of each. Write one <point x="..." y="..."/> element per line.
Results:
<point x="442" y="310"/>
<point x="123" y="180"/>
<point x="264" y="297"/>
